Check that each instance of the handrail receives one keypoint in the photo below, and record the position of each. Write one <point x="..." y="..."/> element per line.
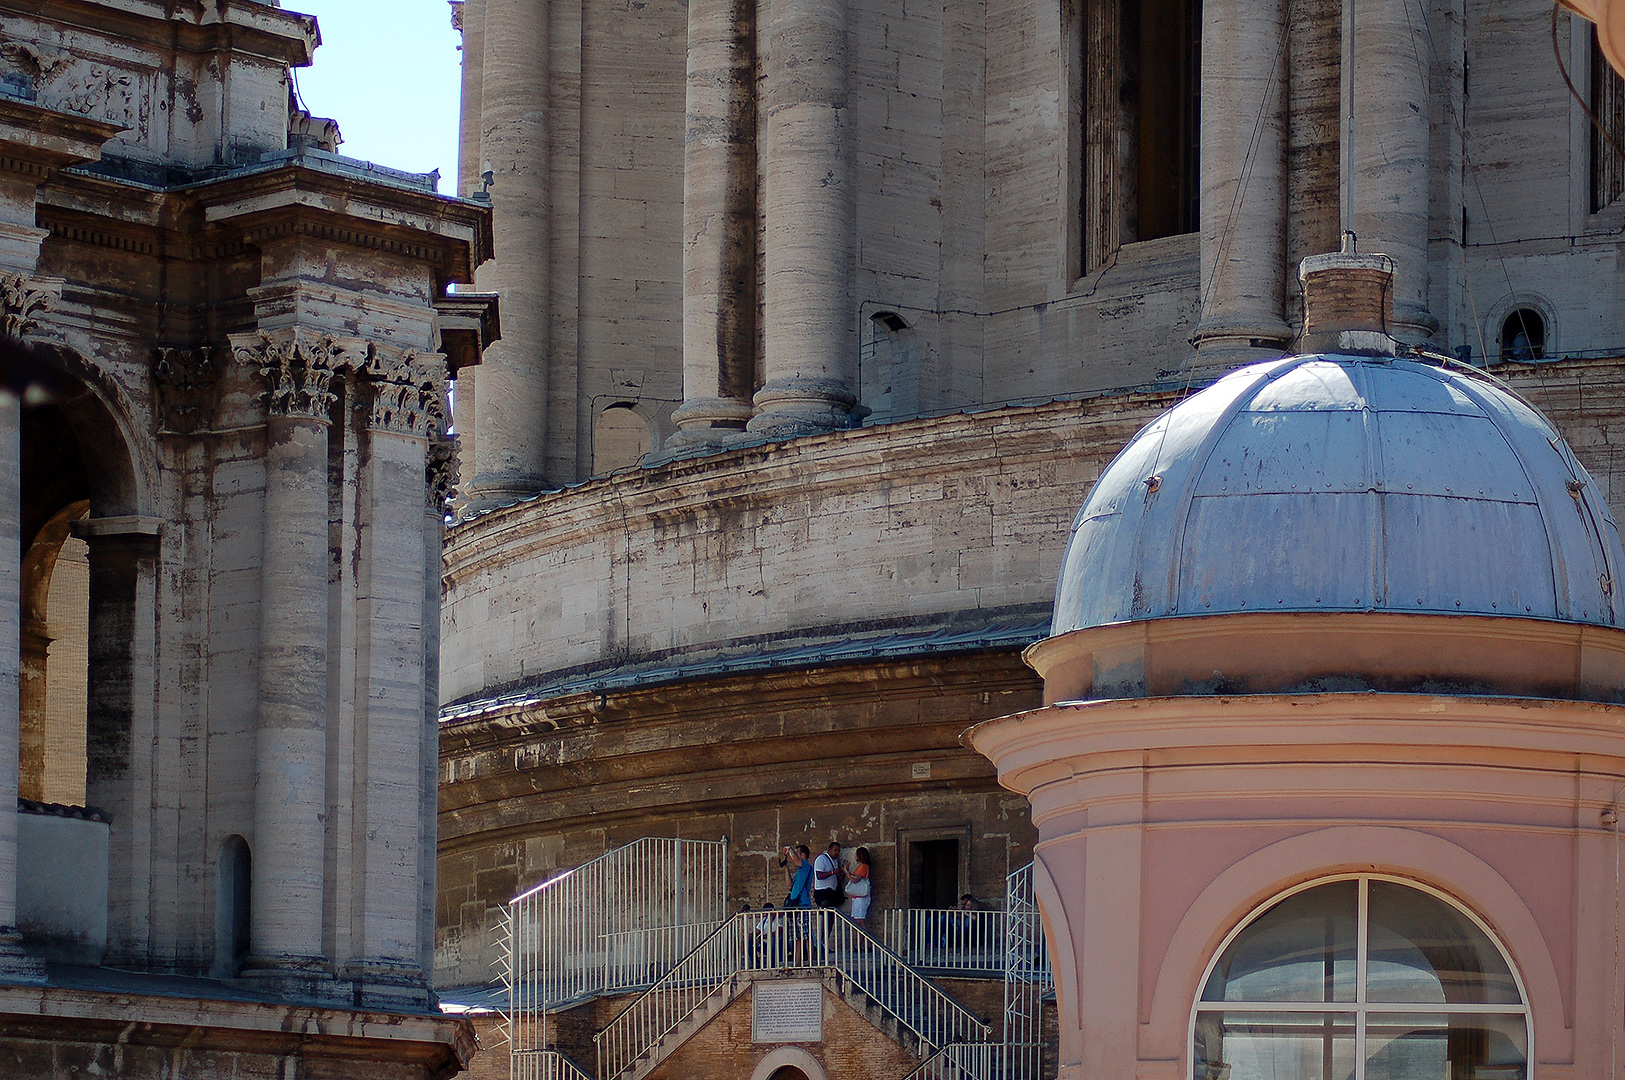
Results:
<point x="543" y="1065"/>
<point x="947" y="940"/>
<point x="959" y="1061"/>
<point x="614" y="924"/>
<point x="777" y="940"/>
<point x="1027" y="980"/>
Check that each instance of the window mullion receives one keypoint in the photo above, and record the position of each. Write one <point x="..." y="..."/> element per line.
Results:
<point x="1362" y="944"/>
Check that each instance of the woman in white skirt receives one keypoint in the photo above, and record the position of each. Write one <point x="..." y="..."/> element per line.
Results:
<point x="858" y="886"/>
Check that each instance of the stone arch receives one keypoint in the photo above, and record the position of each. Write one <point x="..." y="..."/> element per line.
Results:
<point x="1250" y="882"/>
<point x="84" y="453"/>
<point x="55" y="632"/>
<point x="789" y="1063"/>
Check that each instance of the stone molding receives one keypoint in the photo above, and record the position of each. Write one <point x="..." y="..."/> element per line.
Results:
<point x="22" y="301"/>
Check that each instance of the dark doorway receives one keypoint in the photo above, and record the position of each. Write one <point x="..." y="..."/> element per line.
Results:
<point x="933" y="873"/>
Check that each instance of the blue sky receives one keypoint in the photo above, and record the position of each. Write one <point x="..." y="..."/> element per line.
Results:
<point x="388" y="72"/>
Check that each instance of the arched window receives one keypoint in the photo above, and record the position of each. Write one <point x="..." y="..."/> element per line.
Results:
<point x="1360" y="979"/>
<point x="233" y="874"/>
<point x="1523" y="335"/>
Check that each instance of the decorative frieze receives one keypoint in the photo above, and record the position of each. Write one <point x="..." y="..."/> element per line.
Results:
<point x="184" y="380"/>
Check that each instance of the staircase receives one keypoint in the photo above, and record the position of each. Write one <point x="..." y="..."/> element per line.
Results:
<point x="774" y="941"/>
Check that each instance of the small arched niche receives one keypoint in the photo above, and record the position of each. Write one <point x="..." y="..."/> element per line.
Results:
<point x="1361" y="976"/>
<point x="233" y="903"/>
<point x="620" y="437"/>
<point x="1523" y="335"/>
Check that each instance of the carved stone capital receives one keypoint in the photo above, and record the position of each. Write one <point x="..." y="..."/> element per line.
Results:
<point x="442" y="473"/>
<point x="299" y="367"/>
<point x="22" y="301"/>
<point x="407" y="390"/>
<point x="184" y="380"/>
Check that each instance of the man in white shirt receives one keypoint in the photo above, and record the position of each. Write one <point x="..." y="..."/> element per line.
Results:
<point x="827" y="877"/>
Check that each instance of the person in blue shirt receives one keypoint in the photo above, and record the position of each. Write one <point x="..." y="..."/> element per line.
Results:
<point x="798" y="874"/>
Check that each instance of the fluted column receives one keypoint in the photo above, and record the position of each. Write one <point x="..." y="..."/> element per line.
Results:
<point x="288" y="846"/>
<point x="510" y="407"/>
<point x="1389" y="138"/>
<point x="1243" y="185"/>
<point x="719" y="221"/>
<point x="390" y="664"/>
<point x="810" y="338"/>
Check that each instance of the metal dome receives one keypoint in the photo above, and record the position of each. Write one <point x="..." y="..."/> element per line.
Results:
<point x="1343" y="483"/>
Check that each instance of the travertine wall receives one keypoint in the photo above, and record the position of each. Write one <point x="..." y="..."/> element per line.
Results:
<point x="955" y="137"/>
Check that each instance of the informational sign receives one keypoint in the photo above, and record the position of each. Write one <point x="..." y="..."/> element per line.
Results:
<point x="784" y="1012"/>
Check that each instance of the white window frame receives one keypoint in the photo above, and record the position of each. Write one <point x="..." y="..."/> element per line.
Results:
<point x="1359" y="1008"/>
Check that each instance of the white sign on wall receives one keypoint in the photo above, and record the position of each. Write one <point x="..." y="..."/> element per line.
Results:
<point x="787" y="1012"/>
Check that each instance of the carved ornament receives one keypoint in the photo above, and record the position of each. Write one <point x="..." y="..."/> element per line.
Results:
<point x="22" y="301"/>
<point x="184" y="379"/>
<point x="299" y="367"/>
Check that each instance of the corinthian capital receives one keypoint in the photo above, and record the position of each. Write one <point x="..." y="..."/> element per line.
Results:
<point x="22" y="301"/>
<point x="407" y="390"/>
<point x="298" y="366"/>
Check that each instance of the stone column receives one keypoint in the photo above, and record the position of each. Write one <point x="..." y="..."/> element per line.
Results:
<point x="811" y="341"/>
<point x="510" y="421"/>
<point x="31" y="697"/>
<point x="390" y="623"/>
<point x="1388" y="138"/>
<point x="288" y="846"/>
<point x="719" y="221"/>
<point x="1243" y="186"/>
<point x="442" y="459"/>
<point x="15" y="965"/>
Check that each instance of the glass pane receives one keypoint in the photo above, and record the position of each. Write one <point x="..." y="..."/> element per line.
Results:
<point x="1445" y="1047"/>
<point x="1273" y="1046"/>
<point x="1425" y="951"/>
<point x="1302" y="949"/>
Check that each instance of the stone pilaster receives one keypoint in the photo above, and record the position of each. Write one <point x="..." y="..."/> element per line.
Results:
<point x="288" y="845"/>
<point x="15" y="965"/>
<point x="510" y="408"/>
<point x="400" y="402"/>
<point x="1243" y="184"/>
<point x="31" y="697"/>
<point x="719" y="222"/>
<point x="811" y="341"/>
<point x="1389" y="65"/>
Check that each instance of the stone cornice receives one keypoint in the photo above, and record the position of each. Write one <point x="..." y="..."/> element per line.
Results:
<point x="240" y="26"/>
<point x="959" y="443"/>
<point x="292" y="200"/>
<point x="35" y="140"/>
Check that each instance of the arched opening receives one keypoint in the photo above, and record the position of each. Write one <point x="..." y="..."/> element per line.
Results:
<point x="620" y="437"/>
<point x="86" y="577"/>
<point x="1523" y="335"/>
<point x="788" y="1072"/>
<point x="233" y="877"/>
<point x="1357" y="978"/>
<point x="55" y="660"/>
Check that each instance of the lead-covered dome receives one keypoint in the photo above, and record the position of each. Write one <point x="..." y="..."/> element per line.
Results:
<point x="1343" y="483"/>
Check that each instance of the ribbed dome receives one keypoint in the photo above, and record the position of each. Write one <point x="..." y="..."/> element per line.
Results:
<point x="1341" y="483"/>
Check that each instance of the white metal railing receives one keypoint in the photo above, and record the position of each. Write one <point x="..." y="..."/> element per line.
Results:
<point x="614" y="925"/>
<point x="775" y="940"/>
<point x="960" y="1061"/>
<point x="544" y="1065"/>
<point x="954" y="940"/>
<point x="1027" y="980"/>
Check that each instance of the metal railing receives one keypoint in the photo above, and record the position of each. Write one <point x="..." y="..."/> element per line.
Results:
<point x="775" y="941"/>
<point x="954" y="940"/>
<point x="1027" y="980"/>
<point x="543" y="1065"/>
<point x="961" y="1061"/>
<point x="613" y="925"/>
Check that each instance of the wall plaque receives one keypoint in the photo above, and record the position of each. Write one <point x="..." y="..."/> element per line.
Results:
<point x="787" y="1012"/>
